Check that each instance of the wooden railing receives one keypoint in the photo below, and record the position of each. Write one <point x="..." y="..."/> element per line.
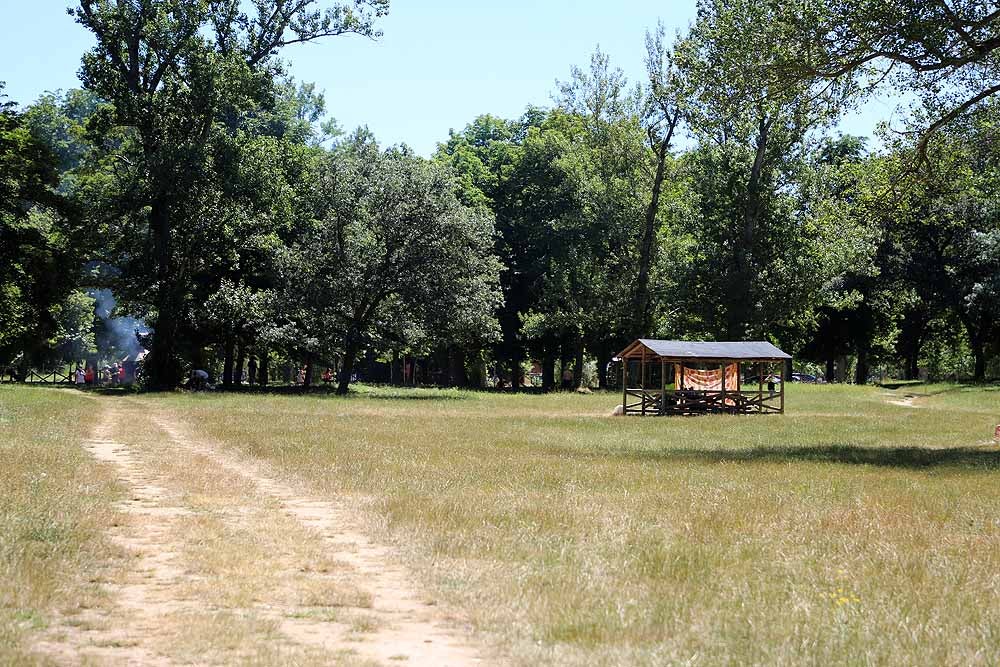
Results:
<point x="691" y="401"/>
<point x="51" y="377"/>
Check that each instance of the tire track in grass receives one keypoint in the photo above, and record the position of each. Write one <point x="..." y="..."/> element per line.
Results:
<point x="407" y="629"/>
<point x="141" y="596"/>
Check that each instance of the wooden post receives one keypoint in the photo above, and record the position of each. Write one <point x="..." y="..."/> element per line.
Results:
<point x="739" y="387"/>
<point x="723" y="387"/>
<point x="663" y="386"/>
<point x="781" y="376"/>
<point x="642" y="380"/>
<point x="624" y="386"/>
<point x="760" y="387"/>
<point x="680" y="397"/>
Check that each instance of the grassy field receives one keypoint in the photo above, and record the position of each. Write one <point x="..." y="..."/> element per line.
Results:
<point x="54" y="502"/>
<point x="850" y="530"/>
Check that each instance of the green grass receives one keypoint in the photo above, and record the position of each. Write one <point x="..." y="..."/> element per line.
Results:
<point x="848" y="530"/>
<point x="54" y="501"/>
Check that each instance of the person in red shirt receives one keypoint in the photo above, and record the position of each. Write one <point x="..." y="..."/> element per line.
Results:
<point x="88" y="375"/>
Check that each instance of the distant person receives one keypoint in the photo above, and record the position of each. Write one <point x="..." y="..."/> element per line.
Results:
<point x="88" y="375"/>
<point x="567" y="378"/>
<point x="252" y="370"/>
<point x="81" y="377"/>
<point x="199" y="379"/>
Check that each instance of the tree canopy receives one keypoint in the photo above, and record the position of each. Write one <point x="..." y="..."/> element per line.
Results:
<point x="206" y="194"/>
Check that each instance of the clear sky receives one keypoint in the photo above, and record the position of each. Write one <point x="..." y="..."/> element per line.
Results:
<point x="438" y="66"/>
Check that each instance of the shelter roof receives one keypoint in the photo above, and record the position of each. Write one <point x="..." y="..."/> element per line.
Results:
<point x="684" y="349"/>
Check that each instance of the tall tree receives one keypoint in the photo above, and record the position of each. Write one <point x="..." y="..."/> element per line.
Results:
<point x="172" y="70"/>
<point x="389" y="245"/>
<point x="662" y="114"/>
<point x="38" y="234"/>
<point x="946" y="224"/>
<point x="486" y="156"/>
<point x="728" y="60"/>
<point x="946" y="52"/>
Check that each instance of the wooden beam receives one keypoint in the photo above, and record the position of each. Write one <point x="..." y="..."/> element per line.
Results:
<point x="624" y="386"/>
<point x="642" y="377"/>
<point x="723" y="384"/>
<point x="663" y="386"/>
<point x="739" y="381"/>
<point x="781" y="376"/>
<point x="760" y="383"/>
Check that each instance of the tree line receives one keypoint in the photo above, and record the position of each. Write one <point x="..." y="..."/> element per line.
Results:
<point x="198" y="182"/>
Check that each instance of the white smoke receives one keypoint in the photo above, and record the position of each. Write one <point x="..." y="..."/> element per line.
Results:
<point x="120" y="331"/>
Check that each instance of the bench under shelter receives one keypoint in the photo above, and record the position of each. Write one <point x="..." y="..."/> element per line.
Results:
<point x="677" y="377"/>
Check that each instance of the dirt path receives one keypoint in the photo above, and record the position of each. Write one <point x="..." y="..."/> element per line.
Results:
<point x="223" y="561"/>
<point x="141" y="595"/>
<point x="905" y="402"/>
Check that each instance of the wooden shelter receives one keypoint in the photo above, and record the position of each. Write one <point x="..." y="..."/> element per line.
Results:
<point x="675" y="377"/>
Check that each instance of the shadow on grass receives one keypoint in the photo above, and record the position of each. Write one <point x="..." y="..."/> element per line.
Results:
<point x="898" y="384"/>
<point x="315" y="391"/>
<point x="893" y="457"/>
<point x="412" y="395"/>
<point x="984" y="387"/>
<point x="380" y="393"/>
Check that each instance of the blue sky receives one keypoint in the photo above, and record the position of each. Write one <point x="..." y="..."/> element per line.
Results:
<point x="438" y="66"/>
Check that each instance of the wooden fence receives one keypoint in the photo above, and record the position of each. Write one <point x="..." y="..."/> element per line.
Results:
<point x="691" y="401"/>
<point x="36" y="377"/>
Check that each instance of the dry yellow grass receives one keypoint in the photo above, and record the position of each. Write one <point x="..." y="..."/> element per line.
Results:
<point x="849" y="530"/>
<point x="54" y="503"/>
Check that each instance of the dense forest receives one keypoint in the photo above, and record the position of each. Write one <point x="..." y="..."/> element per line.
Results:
<point x="192" y="199"/>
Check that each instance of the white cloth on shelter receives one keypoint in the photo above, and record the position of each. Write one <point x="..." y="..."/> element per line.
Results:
<point x="710" y="380"/>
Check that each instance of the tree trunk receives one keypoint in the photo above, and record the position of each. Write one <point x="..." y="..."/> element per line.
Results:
<point x="370" y="375"/>
<point x="578" y="363"/>
<point x="912" y="333"/>
<point x="831" y="370"/>
<point x="515" y="371"/>
<point x="602" y="372"/>
<point x="640" y="303"/>
<point x="227" y="363"/>
<point x="162" y="366"/>
<point x="350" y="356"/>
<point x="861" y="370"/>
<point x="241" y="359"/>
<point x="979" y="353"/>
<point x="459" y="378"/>
<point x="913" y="364"/>
<point x="262" y="369"/>
<point x="307" y="377"/>
<point x="738" y="316"/>
<point x="549" y="371"/>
